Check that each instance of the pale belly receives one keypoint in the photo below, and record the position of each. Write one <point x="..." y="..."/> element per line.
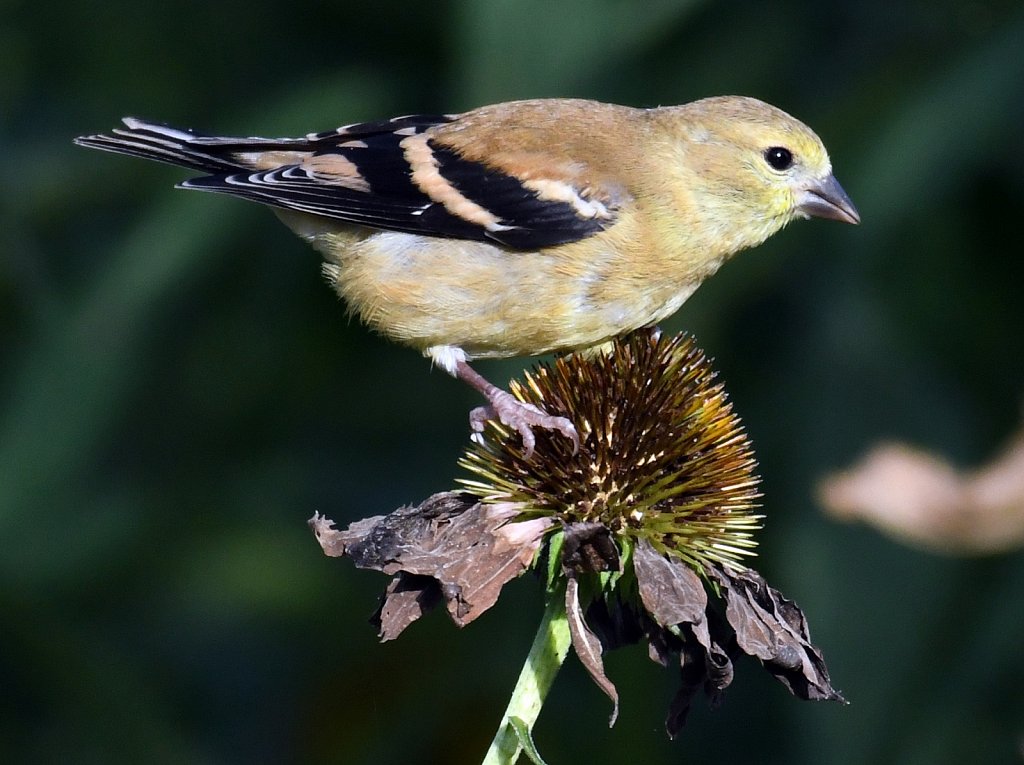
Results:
<point x="428" y="292"/>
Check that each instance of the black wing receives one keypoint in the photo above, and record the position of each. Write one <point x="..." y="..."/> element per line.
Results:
<point x="361" y="174"/>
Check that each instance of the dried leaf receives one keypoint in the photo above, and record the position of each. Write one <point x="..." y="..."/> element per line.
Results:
<point x="588" y="646"/>
<point x="923" y="500"/>
<point x="670" y="590"/>
<point x="718" y="669"/>
<point x="774" y="630"/>
<point x="449" y="545"/>
<point x="335" y="542"/>
<point x="661" y="646"/>
<point x="704" y="665"/>
<point x="674" y="597"/>
<point x="406" y="599"/>
<point x="692" y="677"/>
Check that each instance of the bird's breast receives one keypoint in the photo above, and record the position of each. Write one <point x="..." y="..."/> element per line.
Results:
<point x="488" y="300"/>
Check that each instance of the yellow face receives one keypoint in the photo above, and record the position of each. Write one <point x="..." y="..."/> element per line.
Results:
<point x="779" y="161"/>
<point x="759" y="168"/>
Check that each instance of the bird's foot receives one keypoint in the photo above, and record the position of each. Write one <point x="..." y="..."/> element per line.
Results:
<point x="521" y="417"/>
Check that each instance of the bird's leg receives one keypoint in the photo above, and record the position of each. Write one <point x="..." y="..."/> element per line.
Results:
<point x="507" y="409"/>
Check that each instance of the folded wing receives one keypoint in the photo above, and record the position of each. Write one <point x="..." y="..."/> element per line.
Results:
<point x="393" y="175"/>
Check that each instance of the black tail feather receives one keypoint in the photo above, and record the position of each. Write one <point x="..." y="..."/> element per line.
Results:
<point x="163" y="144"/>
<point x="210" y="154"/>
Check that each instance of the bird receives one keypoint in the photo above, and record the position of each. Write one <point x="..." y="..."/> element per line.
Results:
<point x="520" y="228"/>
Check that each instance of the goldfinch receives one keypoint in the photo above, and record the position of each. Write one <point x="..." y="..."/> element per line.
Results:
<point x="520" y="228"/>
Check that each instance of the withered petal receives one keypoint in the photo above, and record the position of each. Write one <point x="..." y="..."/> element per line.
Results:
<point x="670" y="590"/>
<point x="692" y="678"/>
<point x="334" y="541"/>
<point x="661" y="648"/>
<point x="704" y="665"/>
<point x="406" y="599"/>
<point x="718" y="669"/>
<point x="450" y="538"/>
<point x="774" y="629"/>
<point x="588" y="646"/>
<point x="674" y="597"/>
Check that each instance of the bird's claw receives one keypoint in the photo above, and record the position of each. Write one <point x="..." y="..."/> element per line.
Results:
<point x="522" y="418"/>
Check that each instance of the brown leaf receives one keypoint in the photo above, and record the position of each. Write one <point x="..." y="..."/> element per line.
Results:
<point x="673" y="595"/>
<point x="692" y="677"/>
<point x="334" y="541"/>
<point x="662" y="648"/>
<point x="587" y="645"/>
<point x="449" y="546"/>
<point x="704" y="665"/>
<point x="718" y="669"/>
<point x="923" y="500"/>
<point x="670" y="590"/>
<point x="774" y="630"/>
<point x="406" y="599"/>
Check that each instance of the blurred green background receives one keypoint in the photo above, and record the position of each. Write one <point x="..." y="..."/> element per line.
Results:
<point x="179" y="391"/>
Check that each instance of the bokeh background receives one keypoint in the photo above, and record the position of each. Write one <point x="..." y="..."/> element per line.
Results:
<point x="179" y="392"/>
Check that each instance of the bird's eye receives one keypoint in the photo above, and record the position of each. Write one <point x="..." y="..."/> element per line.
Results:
<point x="779" y="157"/>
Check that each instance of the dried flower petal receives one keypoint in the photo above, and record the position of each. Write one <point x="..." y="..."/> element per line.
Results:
<point x="774" y="630"/>
<point x="406" y="598"/>
<point x="588" y="646"/>
<point x="671" y="593"/>
<point x="449" y="546"/>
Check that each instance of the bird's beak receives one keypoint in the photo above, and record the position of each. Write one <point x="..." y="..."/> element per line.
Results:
<point x="825" y="198"/>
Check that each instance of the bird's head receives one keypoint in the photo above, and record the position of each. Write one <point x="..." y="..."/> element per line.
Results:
<point x="759" y="167"/>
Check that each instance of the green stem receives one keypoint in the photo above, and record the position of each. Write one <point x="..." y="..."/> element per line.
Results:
<point x="547" y="653"/>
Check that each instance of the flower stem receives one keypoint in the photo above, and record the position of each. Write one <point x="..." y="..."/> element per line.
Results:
<point x="550" y="646"/>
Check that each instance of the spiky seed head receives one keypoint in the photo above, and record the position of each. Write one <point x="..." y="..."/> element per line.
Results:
<point x="662" y="455"/>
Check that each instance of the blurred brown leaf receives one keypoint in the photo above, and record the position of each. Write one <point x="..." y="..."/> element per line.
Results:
<point x="922" y="500"/>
